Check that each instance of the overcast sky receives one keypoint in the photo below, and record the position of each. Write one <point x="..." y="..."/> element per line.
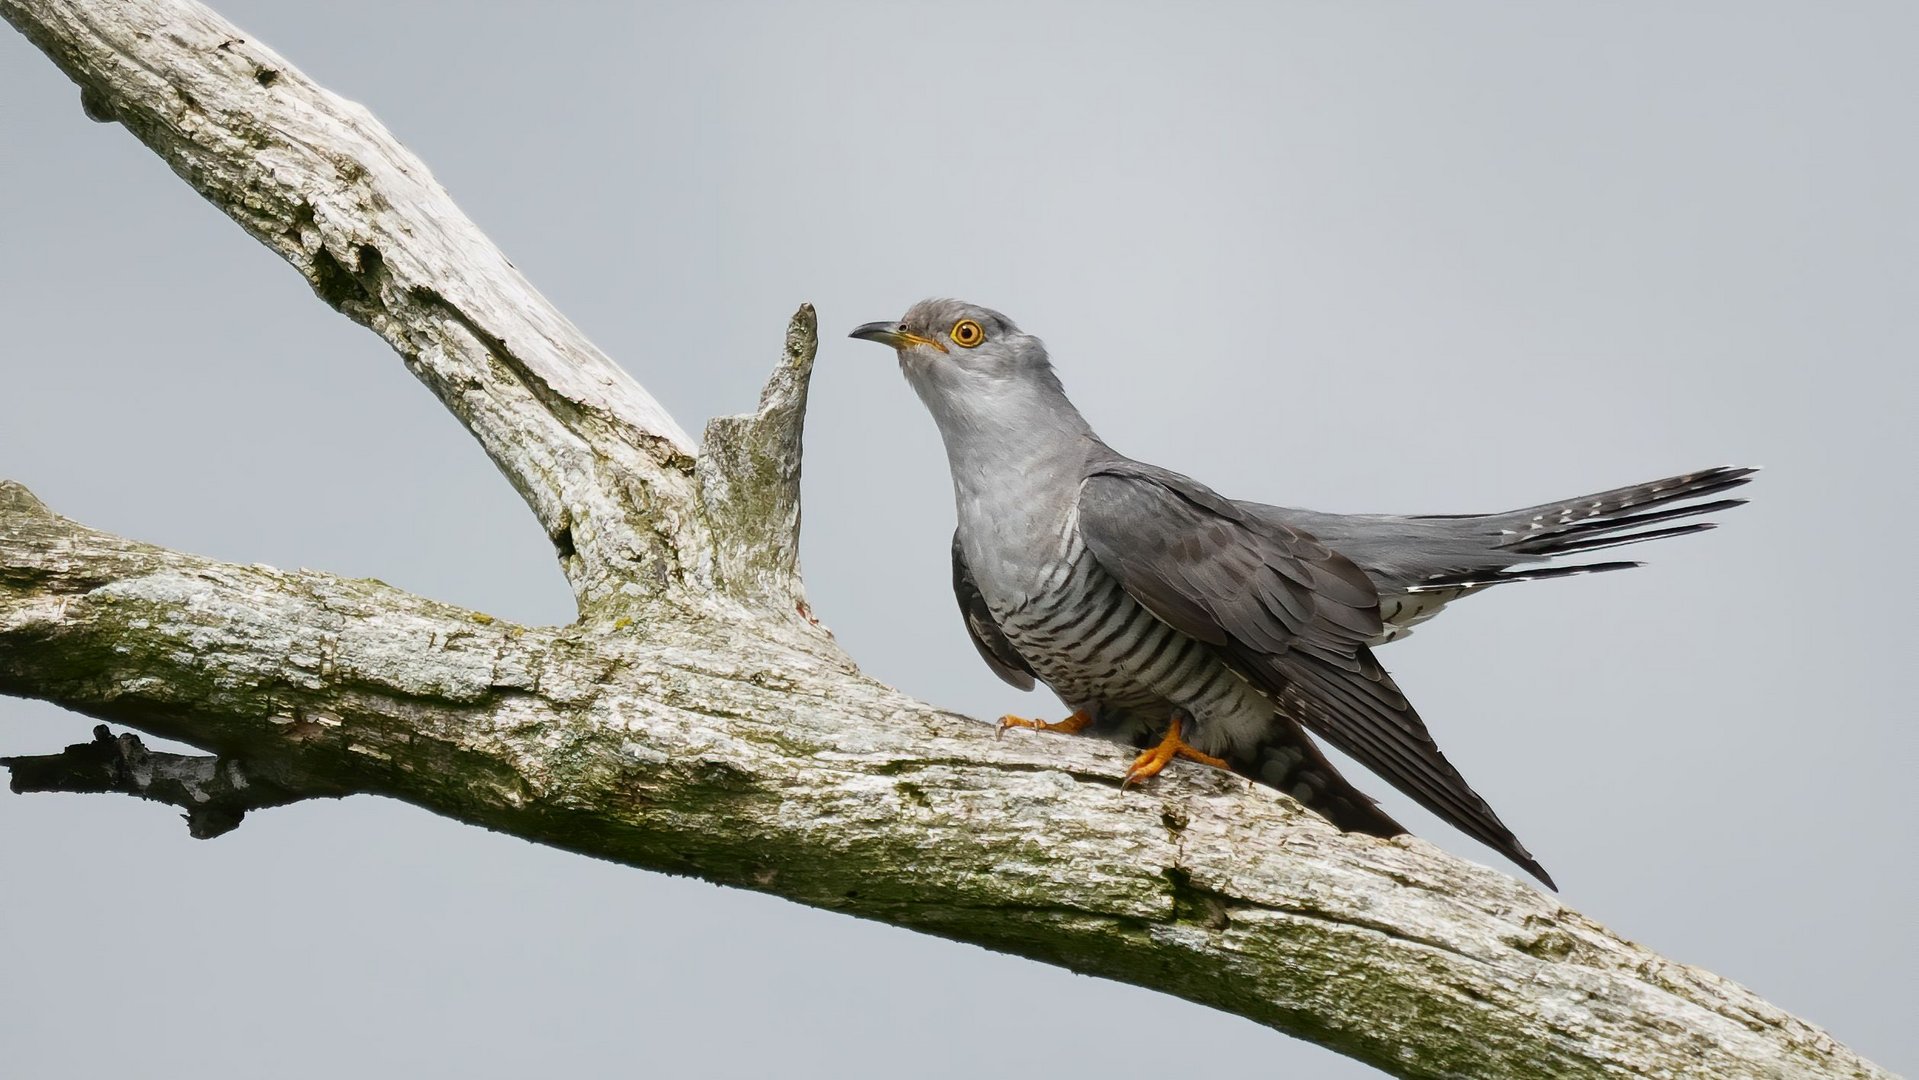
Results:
<point x="1434" y="258"/>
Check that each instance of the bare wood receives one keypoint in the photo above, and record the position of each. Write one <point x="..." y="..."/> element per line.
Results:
<point x="319" y="181"/>
<point x="695" y="720"/>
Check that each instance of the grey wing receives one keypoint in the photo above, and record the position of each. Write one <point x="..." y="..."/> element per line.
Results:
<point x="993" y="647"/>
<point x="1288" y="613"/>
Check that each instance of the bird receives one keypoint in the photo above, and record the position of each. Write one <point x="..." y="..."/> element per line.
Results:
<point x="1185" y="624"/>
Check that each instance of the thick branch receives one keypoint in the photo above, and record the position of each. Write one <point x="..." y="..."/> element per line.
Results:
<point x="717" y="751"/>
<point x="317" y="179"/>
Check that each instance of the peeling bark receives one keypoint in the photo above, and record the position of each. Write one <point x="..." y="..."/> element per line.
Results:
<point x="695" y="719"/>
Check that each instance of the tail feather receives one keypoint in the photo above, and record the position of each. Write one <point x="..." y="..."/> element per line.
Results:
<point x="1286" y="759"/>
<point x="1607" y="526"/>
<point x="1588" y="523"/>
<point x="1439" y="558"/>
<point x="1601" y="543"/>
<point x="1500" y="577"/>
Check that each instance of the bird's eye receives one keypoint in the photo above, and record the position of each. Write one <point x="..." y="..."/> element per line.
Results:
<point x="967" y="333"/>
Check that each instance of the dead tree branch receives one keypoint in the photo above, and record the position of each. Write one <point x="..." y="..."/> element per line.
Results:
<point x="695" y="720"/>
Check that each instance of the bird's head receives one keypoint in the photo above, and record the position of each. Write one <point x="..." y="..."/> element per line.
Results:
<point x="953" y="346"/>
<point x="984" y="381"/>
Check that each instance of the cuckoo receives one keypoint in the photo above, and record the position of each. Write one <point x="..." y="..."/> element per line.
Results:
<point x="1190" y="625"/>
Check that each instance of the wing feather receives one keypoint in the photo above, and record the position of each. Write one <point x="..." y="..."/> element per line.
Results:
<point x="991" y="642"/>
<point x="1288" y="613"/>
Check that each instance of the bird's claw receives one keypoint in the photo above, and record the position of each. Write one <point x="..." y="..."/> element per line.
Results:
<point x="1071" y="725"/>
<point x="1150" y="763"/>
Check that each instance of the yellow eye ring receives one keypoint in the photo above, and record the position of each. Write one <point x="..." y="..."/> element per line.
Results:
<point x="966" y="333"/>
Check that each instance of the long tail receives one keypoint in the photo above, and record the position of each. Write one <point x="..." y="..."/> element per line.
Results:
<point x="1592" y="522"/>
<point x="1608" y="519"/>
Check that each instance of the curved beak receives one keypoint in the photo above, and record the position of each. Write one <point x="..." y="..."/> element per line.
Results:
<point x="890" y="333"/>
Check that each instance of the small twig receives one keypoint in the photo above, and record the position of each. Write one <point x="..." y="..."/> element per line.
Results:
<point x="216" y="792"/>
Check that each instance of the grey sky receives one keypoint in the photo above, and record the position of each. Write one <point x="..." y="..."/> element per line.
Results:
<point x="1356" y="257"/>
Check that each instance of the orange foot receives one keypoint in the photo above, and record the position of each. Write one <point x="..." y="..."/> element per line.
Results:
<point x="1149" y="764"/>
<point x="1071" y="725"/>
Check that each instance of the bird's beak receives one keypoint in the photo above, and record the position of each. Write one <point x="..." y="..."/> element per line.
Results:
<point x="890" y="333"/>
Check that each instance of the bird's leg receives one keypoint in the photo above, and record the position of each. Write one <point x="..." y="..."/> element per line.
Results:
<point x="1150" y="763"/>
<point x="1072" y="725"/>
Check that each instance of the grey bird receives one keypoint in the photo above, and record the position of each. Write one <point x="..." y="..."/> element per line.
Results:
<point x="1171" y="618"/>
